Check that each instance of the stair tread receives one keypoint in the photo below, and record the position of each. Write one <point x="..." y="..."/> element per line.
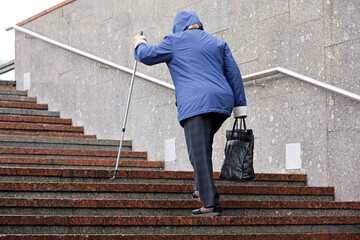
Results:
<point x="24" y="105"/>
<point x="7" y="82"/>
<point x="11" y="98"/>
<point x="81" y="162"/>
<point x="13" y="92"/>
<point x="28" y="112"/>
<point x="176" y="220"/>
<point x="171" y="204"/>
<point x="70" y="152"/>
<point x="40" y="127"/>
<point x="47" y="134"/>
<point x="96" y="173"/>
<point x="161" y="188"/>
<point x="34" y="119"/>
<point x="40" y="139"/>
<point x="257" y="236"/>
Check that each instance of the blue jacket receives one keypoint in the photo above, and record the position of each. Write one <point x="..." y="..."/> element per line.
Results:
<point x="205" y="74"/>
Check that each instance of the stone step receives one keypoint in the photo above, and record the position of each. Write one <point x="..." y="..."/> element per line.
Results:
<point x="63" y="200"/>
<point x="136" y="176"/>
<point x="28" y="112"/>
<point x="24" y="105"/>
<point x="47" y="134"/>
<point x="53" y="152"/>
<point x="40" y="127"/>
<point x="7" y="84"/>
<point x="135" y="207"/>
<point x="250" y="236"/>
<point x="65" y="143"/>
<point x="11" y="224"/>
<point x="96" y="163"/>
<point x="30" y="119"/>
<point x="158" y="191"/>
<point x="13" y="92"/>
<point x="11" y="98"/>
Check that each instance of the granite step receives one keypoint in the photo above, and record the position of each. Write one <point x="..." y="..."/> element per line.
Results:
<point x="135" y="207"/>
<point x="136" y="176"/>
<point x="65" y="143"/>
<point x="40" y="127"/>
<point x="7" y="84"/>
<point x="158" y="191"/>
<point x="24" y="105"/>
<point x="250" y="236"/>
<point x="47" y="134"/>
<point x="28" y="112"/>
<point x="13" y="92"/>
<point x="31" y="119"/>
<point x="12" y="224"/>
<point x="11" y="98"/>
<point x="84" y="163"/>
<point x="55" y="180"/>
<point x="60" y="153"/>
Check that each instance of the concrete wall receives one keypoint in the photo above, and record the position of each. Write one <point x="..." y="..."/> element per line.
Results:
<point x="319" y="39"/>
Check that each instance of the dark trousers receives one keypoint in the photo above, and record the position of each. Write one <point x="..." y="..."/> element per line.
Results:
<point x="199" y="134"/>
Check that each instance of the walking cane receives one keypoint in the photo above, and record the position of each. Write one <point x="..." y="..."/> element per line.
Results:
<point x="125" y="118"/>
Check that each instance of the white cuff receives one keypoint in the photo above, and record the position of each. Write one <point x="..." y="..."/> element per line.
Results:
<point x="240" y="111"/>
<point x="140" y="41"/>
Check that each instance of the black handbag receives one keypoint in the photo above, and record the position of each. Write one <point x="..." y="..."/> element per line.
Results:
<point x="239" y="153"/>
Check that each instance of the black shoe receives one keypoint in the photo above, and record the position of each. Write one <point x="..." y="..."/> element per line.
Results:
<point x="194" y="196"/>
<point x="217" y="211"/>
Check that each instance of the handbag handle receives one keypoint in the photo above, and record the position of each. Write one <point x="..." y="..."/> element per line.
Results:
<point x="243" y="121"/>
<point x="235" y="125"/>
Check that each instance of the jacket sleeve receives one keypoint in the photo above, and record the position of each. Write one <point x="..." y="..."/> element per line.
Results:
<point x="233" y="76"/>
<point x="155" y="54"/>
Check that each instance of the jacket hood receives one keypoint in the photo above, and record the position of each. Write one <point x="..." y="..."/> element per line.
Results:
<point x="185" y="19"/>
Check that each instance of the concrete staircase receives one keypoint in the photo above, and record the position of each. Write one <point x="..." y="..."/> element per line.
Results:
<point x="55" y="184"/>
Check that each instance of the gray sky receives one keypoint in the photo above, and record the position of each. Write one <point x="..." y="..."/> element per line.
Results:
<point x="12" y="12"/>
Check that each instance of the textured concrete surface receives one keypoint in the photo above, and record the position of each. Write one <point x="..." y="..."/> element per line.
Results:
<point x="318" y="39"/>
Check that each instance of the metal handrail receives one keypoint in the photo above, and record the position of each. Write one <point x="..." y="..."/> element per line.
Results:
<point x="90" y="56"/>
<point x="7" y="67"/>
<point x="246" y="78"/>
<point x="297" y="76"/>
